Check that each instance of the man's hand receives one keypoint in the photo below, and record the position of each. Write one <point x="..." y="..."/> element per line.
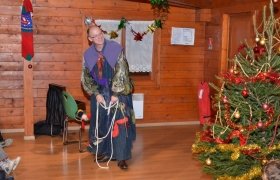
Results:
<point x="100" y="99"/>
<point x="114" y="99"/>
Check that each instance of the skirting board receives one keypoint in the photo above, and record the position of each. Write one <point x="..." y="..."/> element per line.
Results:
<point x="11" y="130"/>
<point x="29" y="137"/>
<point x="137" y="125"/>
<point x="168" y="124"/>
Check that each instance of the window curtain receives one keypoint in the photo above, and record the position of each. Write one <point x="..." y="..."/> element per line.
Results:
<point x="110" y="25"/>
<point x="139" y="53"/>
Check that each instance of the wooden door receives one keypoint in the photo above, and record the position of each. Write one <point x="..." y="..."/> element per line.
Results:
<point x="240" y="29"/>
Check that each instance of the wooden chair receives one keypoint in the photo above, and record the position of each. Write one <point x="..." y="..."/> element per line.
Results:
<point x="71" y="109"/>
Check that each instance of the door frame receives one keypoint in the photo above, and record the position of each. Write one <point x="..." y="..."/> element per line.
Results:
<point x="223" y="65"/>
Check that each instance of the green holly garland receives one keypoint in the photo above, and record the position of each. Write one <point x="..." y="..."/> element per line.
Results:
<point x="161" y="3"/>
<point x="122" y="23"/>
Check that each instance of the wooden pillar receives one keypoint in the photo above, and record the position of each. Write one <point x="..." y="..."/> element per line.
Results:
<point x="28" y="100"/>
<point x="224" y="46"/>
<point x="156" y="58"/>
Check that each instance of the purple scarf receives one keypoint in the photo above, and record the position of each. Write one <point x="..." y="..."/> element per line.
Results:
<point x="111" y="53"/>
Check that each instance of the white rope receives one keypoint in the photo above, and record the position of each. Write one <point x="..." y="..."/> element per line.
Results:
<point x="98" y="140"/>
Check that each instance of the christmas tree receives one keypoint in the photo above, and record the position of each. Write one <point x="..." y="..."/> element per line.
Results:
<point x="244" y="135"/>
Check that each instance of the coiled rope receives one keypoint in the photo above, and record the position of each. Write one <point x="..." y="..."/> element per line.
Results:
<point x="98" y="140"/>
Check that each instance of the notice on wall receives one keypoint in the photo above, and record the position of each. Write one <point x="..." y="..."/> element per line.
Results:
<point x="182" y="36"/>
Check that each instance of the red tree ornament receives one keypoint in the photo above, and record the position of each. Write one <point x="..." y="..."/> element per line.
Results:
<point x="275" y="1"/>
<point x="245" y="93"/>
<point x="260" y="124"/>
<point x="265" y="106"/>
<point x="225" y="100"/>
<point x="256" y="49"/>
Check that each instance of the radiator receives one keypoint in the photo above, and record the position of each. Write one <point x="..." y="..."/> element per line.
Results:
<point x="138" y="105"/>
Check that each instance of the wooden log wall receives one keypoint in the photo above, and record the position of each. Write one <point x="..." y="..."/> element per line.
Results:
<point x="58" y="46"/>
<point x="214" y="30"/>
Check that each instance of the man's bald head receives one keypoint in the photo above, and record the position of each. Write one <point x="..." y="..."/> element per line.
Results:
<point x="92" y="29"/>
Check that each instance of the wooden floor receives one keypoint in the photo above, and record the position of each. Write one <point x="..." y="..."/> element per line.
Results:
<point x="159" y="153"/>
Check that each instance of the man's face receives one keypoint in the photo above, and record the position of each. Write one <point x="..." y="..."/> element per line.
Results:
<point x="96" y="36"/>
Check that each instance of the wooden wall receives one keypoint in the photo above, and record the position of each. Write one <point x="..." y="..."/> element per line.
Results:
<point x="58" y="53"/>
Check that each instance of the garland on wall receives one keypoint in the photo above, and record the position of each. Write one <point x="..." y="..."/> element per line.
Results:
<point x="138" y="36"/>
<point x="160" y="10"/>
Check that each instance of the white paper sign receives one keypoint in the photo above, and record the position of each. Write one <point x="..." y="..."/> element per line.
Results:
<point x="183" y="36"/>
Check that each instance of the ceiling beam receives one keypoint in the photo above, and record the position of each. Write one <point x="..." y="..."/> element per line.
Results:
<point x="182" y="4"/>
<point x="176" y="3"/>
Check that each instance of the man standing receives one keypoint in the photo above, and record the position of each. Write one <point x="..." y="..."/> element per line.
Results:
<point x="105" y="77"/>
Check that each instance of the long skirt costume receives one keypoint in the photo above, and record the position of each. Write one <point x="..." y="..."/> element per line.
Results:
<point x="106" y="73"/>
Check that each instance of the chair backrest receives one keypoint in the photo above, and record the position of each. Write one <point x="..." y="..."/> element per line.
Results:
<point x="69" y="104"/>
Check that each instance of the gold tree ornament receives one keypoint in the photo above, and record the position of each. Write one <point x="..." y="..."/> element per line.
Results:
<point x="237" y="115"/>
<point x="264" y="161"/>
<point x="257" y="39"/>
<point x="208" y="161"/>
<point x="262" y="42"/>
<point x="235" y="71"/>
